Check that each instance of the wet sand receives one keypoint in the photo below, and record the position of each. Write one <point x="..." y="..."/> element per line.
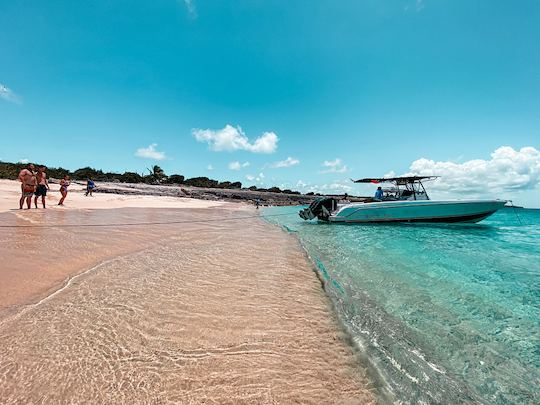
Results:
<point x="213" y="312"/>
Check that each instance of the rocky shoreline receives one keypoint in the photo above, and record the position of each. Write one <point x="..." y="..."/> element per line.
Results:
<point x="215" y="194"/>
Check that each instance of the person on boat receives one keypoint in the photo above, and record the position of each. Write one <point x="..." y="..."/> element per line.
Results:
<point x="42" y="186"/>
<point x="379" y="193"/>
<point x="90" y="186"/>
<point x="64" y="184"/>
<point x="28" y="185"/>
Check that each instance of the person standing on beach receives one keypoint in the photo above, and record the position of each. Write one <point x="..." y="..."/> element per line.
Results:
<point x="28" y="185"/>
<point x="90" y="186"/>
<point x="64" y="184"/>
<point x="42" y="185"/>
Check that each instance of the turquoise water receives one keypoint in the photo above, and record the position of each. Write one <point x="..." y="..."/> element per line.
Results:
<point x="444" y="313"/>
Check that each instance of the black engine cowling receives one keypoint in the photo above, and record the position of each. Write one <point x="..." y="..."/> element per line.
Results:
<point x="321" y="208"/>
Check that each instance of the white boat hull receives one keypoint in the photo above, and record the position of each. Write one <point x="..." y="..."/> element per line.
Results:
<point x="417" y="211"/>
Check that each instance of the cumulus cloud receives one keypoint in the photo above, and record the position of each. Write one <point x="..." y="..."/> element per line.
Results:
<point x="258" y="179"/>
<point x="233" y="138"/>
<point x="7" y="94"/>
<point x="25" y="161"/>
<point x="238" y="165"/>
<point x="335" y="187"/>
<point x="209" y="167"/>
<point x="334" y="166"/>
<point x="284" y="163"/>
<point x="150" y="152"/>
<point x="507" y="170"/>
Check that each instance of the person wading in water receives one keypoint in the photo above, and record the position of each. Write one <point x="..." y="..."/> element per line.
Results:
<point x="64" y="184"/>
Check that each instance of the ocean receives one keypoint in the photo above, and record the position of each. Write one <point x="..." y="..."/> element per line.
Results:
<point x="441" y="313"/>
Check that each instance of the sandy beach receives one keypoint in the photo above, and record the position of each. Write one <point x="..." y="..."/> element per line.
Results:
<point x="195" y="306"/>
<point x="10" y="194"/>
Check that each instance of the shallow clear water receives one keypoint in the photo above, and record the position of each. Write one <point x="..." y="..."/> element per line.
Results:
<point x="445" y="313"/>
<point x="183" y="313"/>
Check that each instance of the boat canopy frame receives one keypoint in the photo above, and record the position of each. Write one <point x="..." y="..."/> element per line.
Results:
<point x="406" y="181"/>
<point x="400" y="181"/>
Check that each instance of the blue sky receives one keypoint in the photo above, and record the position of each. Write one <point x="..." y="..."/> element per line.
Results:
<point x="367" y="87"/>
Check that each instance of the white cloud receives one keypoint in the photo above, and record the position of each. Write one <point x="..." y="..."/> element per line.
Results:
<point x="191" y="8"/>
<point x="25" y="161"/>
<point x="150" y="152"/>
<point x="284" y="163"/>
<point x="258" y="179"/>
<point x="7" y="94"/>
<point x="238" y="165"/>
<point x="334" y="166"/>
<point x="209" y="167"/>
<point x="508" y="170"/>
<point x="235" y="165"/>
<point x="233" y="138"/>
<point x="335" y="187"/>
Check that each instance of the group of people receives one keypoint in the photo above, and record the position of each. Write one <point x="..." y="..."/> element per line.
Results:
<point x="35" y="184"/>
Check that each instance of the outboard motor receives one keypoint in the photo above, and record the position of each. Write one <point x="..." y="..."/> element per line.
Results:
<point x="321" y="208"/>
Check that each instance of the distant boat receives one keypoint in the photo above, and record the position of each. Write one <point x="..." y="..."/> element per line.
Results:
<point x="405" y="201"/>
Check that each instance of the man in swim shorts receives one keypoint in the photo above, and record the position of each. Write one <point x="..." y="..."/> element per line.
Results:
<point x="42" y="185"/>
<point x="28" y="185"/>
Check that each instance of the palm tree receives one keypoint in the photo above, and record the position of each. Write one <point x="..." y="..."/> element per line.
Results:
<point x="157" y="173"/>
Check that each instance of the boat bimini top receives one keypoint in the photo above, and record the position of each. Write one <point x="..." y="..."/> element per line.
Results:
<point x="398" y="180"/>
<point x="405" y="188"/>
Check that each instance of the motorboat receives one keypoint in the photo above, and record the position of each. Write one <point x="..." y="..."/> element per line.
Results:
<point x="406" y="200"/>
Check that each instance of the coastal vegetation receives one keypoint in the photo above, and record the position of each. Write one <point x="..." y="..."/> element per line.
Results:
<point x="153" y="175"/>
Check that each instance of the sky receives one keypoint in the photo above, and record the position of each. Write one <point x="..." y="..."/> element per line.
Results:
<point x="301" y="94"/>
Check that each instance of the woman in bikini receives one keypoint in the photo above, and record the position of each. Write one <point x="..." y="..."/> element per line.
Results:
<point x="64" y="184"/>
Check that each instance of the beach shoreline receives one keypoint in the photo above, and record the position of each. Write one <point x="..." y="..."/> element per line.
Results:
<point x="10" y="192"/>
<point x="110" y="195"/>
<point x="381" y="389"/>
<point x="278" y="303"/>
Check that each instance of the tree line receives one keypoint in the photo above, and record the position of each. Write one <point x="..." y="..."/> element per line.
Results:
<point x="155" y="175"/>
